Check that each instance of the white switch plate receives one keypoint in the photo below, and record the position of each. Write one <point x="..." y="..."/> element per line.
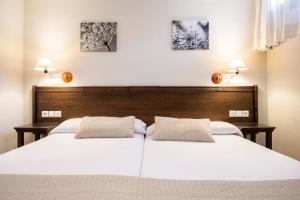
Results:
<point x="57" y="114"/>
<point x="245" y="113"/>
<point x="45" y="114"/>
<point x="51" y="114"/>
<point x="239" y="113"/>
<point x="232" y="113"/>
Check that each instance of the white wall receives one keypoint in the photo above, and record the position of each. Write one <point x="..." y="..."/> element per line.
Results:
<point x="11" y="71"/>
<point x="284" y="96"/>
<point x="144" y="55"/>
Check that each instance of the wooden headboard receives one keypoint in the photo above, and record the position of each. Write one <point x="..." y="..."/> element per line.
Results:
<point x="145" y="102"/>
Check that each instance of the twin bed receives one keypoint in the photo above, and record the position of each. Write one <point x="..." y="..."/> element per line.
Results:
<point x="231" y="157"/>
<point x="60" y="166"/>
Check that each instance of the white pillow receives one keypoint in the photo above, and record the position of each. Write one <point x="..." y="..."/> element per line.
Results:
<point x="140" y="126"/>
<point x="68" y="126"/>
<point x="217" y="128"/>
<point x="150" y="129"/>
<point x="72" y="126"/>
<point x="224" y="128"/>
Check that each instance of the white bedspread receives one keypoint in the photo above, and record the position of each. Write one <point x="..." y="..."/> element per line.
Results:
<point x="229" y="158"/>
<point x="61" y="154"/>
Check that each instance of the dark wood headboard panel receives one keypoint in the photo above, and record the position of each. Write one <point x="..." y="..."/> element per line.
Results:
<point x="145" y="102"/>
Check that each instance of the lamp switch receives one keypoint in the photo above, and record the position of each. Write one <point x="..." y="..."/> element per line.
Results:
<point x="245" y="113"/>
<point x="239" y="113"/>
<point x="51" y="114"/>
<point x="45" y="114"/>
<point x="232" y="113"/>
<point x="57" y="114"/>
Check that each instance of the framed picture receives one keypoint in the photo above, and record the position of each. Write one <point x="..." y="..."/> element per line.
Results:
<point x="190" y="34"/>
<point x="98" y="37"/>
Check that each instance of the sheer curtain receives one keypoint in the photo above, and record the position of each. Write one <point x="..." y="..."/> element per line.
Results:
<point x="275" y="22"/>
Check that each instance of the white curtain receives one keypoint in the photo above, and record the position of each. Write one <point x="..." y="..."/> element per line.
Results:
<point x="275" y="22"/>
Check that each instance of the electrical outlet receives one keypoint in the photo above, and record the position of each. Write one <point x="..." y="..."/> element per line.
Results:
<point x="45" y="114"/>
<point x="57" y="114"/>
<point x="51" y="114"/>
<point x="239" y="113"/>
<point x="232" y="113"/>
<point x="245" y="113"/>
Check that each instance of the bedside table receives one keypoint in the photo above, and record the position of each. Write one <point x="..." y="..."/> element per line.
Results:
<point x="36" y="129"/>
<point x="255" y="128"/>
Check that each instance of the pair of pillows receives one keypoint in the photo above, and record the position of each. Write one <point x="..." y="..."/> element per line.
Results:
<point x="164" y="128"/>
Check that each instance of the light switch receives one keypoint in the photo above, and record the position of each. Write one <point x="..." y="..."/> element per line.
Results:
<point x="245" y="113"/>
<point x="232" y="113"/>
<point x="57" y="114"/>
<point x="239" y="113"/>
<point x="45" y="114"/>
<point x="51" y="114"/>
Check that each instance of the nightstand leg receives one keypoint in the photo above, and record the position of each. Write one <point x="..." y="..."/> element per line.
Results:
<point x="37" y="136"/>
<point x="20" y="138"/>
<point x="269" y="140"/>
<point x="253" y="137"/>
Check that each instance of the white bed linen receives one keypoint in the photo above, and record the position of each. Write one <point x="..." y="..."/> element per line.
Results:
<point x="62" y="154"/>
<point x="230" y="158"/>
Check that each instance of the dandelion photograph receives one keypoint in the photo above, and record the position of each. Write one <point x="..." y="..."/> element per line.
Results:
<point x="98" y="37"/>
<point x="190" y="34"/>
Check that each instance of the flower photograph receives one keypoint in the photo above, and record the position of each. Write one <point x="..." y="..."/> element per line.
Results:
<point x="98" y="36"/>
<point x="190" y="34"/>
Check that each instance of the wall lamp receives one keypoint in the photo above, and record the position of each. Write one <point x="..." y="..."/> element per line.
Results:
<point x="45" y="65"/>
<point x="236" y="66"/>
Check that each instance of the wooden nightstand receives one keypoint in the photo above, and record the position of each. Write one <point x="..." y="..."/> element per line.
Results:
<point x="255" y="128"/>
<point x="36" y="129"/>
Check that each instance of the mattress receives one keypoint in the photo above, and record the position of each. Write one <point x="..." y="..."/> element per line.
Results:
<point x="231" y="157"/>
<point x="61" y="154"/>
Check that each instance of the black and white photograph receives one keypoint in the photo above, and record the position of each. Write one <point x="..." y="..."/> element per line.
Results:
<point x="98" y="37"/>
<point x="190" y="34"/>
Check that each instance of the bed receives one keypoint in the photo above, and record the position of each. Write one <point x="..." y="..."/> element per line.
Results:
<point x="230" y="168"/>
<point x="231" y="157"/>
<point x="61" y="153"/>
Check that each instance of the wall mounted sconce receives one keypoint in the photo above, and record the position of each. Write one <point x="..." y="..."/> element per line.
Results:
<point x="235" y="68"/>
<point x="45" y="65"/>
